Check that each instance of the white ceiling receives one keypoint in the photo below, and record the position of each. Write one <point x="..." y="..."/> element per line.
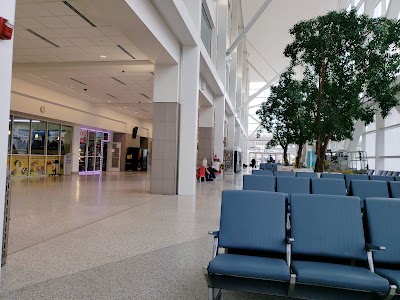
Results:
<point x="270" y="34"/>
<point x="71" y="39"/>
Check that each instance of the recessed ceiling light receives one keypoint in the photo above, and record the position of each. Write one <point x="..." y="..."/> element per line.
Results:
<point x="103" y="56"/>
<point x="108" y="101"/>
<point x="125" y="107"/>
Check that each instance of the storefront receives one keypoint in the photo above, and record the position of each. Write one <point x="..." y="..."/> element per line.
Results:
<point x="92" y="151"/>
<point x="37" y="147"/>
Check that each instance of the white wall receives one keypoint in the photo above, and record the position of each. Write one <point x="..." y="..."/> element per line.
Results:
<point x="27" y="98"/>
<point x="7" y="10"/>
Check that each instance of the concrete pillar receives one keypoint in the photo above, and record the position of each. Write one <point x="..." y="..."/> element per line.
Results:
<point x="7" y="10"/>
<point x="76" y="138"/>
<point x="194" y="8"/>
<point x="205" y="134"/>
<point x="233" y="63"/>
<point x="231" y="132"/>
<point x="219" y="124"/>
<point x="189" y="97"/>
<point x="379" y="143"/>
<point x="164" y="170"/>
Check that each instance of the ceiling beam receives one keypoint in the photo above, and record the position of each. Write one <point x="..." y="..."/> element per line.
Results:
<point x="262" y="57"/>
<point x="258" y="72"/>
<point x="244" y="32"/>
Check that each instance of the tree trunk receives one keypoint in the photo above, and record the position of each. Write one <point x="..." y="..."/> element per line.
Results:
<point x="285" y="158"/>
<point x="298" y="157"/>
<point x="321" y="151"/>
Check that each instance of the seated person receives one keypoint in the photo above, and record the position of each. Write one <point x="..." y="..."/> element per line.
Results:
<point x="210" y="173"/>
<point x="216" y="165"/>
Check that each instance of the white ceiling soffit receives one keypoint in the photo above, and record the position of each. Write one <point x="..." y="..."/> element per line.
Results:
<point x="68" y="47"/>
<point x="270" y="34"/>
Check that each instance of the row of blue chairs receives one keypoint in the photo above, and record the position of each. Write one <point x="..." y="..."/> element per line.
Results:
<point x="325" y="186"/>
<point x="386" y="173"/>
<point x="269" y="166"/>
<point x="347" y="177"/>
<point x="326" y="255"/>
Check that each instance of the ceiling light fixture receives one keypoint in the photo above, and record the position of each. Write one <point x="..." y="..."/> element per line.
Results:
<point x="103" y="56"/>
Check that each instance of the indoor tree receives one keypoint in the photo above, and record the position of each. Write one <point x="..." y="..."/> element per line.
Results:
<point x="286" y="114"/>
<point x="348" y="65"/>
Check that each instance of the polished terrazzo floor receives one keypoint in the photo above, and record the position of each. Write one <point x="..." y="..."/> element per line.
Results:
<point x="106" y="237"/>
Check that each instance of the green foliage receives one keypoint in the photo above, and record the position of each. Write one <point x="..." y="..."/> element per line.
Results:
<point x="286" y="113"/>
<point x="348" y="65"/>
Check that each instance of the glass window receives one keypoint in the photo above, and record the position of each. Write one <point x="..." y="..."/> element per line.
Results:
<point x="83" y="142"/>
<point x="38" y="137"/>
<point x="92" y="144"/>
<point x="20" y="139"/>
<point x="53" y="143"/>
<point x="206" y="30"/>
<point x="66" y="140"/>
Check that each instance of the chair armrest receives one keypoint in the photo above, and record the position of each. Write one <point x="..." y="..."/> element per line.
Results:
<point x="371" y="247"/>
<point x="289" y="240"/>
<point x="214" y="233"/>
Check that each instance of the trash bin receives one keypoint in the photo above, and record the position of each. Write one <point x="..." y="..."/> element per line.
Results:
<point x="6" y="227"/>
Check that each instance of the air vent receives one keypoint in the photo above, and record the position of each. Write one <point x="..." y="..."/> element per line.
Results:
<point x="126" y="51"/>
<point x="145" y="96"/>
<point x="121" y="82"/>
<point x="144" y="110"/>
<point x="79" y="13"/>
<point x="111" y="96"/>
<point x="42" y="38"/>
<point x="78" y="81"/>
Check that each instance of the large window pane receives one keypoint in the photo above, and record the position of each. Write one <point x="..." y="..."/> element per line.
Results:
<point x="206" y="30"/>
<point x="53" y="143"/>
<point x="66" y="140"/>
<point x="392" y="142"/>
<point x="370" y="144"/>
<point x="38" y="137"/>
<point x="20" y="138"/>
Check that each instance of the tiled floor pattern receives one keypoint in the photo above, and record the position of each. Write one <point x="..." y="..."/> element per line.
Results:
<point x="108" y="238"/>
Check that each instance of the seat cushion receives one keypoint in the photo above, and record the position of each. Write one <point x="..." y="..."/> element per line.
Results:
<point x="392" y="275"/>
<point x="250" y="267"/>
<point x="339" y="276"/>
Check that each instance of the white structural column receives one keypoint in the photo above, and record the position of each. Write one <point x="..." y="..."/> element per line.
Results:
<point x="205" y="134"/>
<point x="219" y="102"/>
<point x="76" y="136"/>
<point x="379" y="143"/>
<point x="352" y="144"/>
<point x="189" y="99"/>
<point x="233" y="59"/>
<point x="7" y="10"/>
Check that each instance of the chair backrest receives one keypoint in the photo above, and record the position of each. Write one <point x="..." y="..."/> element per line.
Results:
<point x="202" y="171"/>
<point x="284" y="173"/>
<point x="253" y="220"/>
<point x="394" y="188"/>
<point x="370" y="172"/>
<point x="384" y="173"/>
<point x="307" y="174"/>
<point x="395" y="173"/>
<point x="332" y="175"/>
<point x="293" y="185"/>
<point x="259" y="183"/>
<point x="263" y="172"/>
<point x="389" y="173"/>
<point x="350" y="177"/>
<point x="397" y="178"/>
<point x="328" y="186"/>
<point x="263" y="166"/>
<point x="327" y="226"/>
<point x="384" y="228"/>
<point x="369" y="189"/>
<point x="382" y="178"/>
<point x="379" y="172"/>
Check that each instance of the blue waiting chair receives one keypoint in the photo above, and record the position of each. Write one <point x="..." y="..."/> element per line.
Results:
<point x="292" y="185"/>
<point x="262" y="172"/>
<point x="384" y="173"/>
<point x="382" y="178"/>
<point x="284" y="173"/>
<point x="397" y="178"/>
<point x="370" y="172"/>
<point x="394" y="188"/>
<point x="263" y="166"/>
<point x="389" y="173"/>
<point x="307" y="174"/>
<point x="250" y="221"/>
<point x="395" y="173"/>
<point x="332" y="175"/>
<point x="259" y="183"/>
<point x="382" y="218"/>
<point x="369" y="189"/>
<point x="350" y="177"/>
<point x="328" y="186"/>
<point x="379" y="172"/>
<point x="327" y="231"/>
